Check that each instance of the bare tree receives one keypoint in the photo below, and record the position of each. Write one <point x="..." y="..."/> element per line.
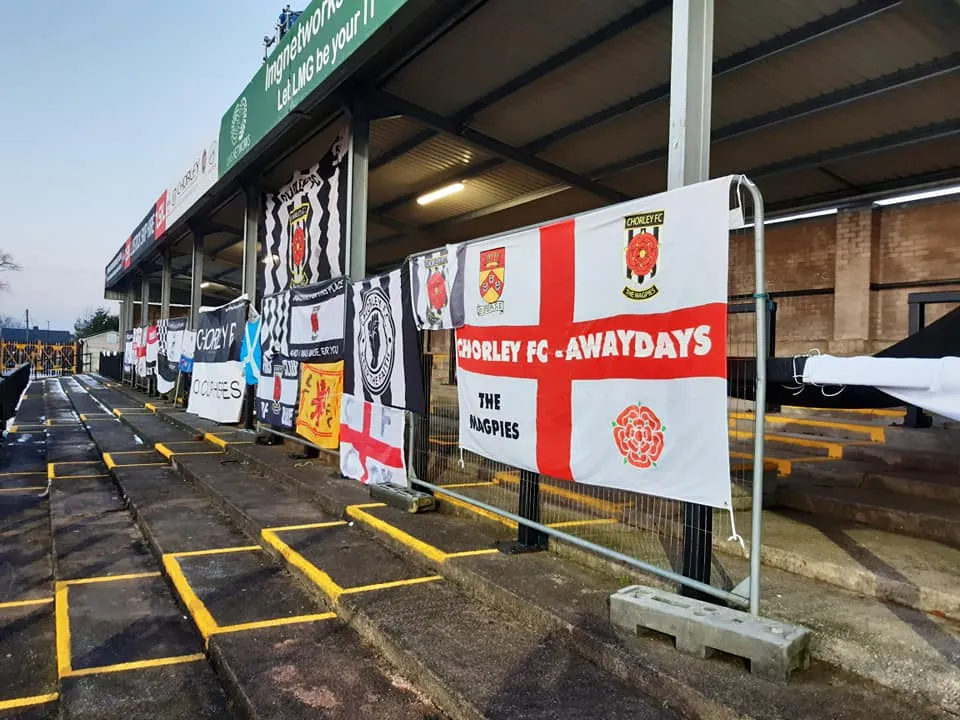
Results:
<point x="7" y="264"/>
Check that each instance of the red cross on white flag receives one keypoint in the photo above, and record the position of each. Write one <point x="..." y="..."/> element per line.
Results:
<point x="595" y="347"/>
<point x="371" y="442"/>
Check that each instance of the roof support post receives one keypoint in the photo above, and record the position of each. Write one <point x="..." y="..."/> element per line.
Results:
<point x="251" y="228"/>
<point x="358" y="163"/>
<point x="688" y="161"/>
<point x="166" y="280"/>
<point x="196" y="279"/>
<point x="144" y="301"/>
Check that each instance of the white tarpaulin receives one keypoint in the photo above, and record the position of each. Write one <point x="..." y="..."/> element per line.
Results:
<point x="930" y="383"/>
<point x="217" y="386"/>
<point x="371" y="442"/>
<point x="594" y="348"/>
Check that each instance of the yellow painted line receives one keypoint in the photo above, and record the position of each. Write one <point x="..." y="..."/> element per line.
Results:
<point x="317" y="576"/>
<point x="78" y="477"/>
<point x="296" y="620"/>
<point x="163" y="450"/>
<point x="117" y="412"/>
<point x="25" y="603"/>
<point x="137" y="665"/>
<point x="109" y="578"/>
<point x="151" y="407"/>
<point x="834" y="450"/>
<point x="876" y="412"/>
<point x="477" y="511"/>
<point x="216" y="551"/>
<point x="428" y="551"/>
<point x="20" y="491"/>
<point x="62" y="616"/>
<point x="24" y="474"/>
<point x="604" y="506"/>
<point x="14" y="428"/>
<point x="169" y="453"/>
<point x="108" y="461"/>
<point x="577" y="523"/>
<point x="309" y="526"/>
<point x="132" y="452"/>
<point x="446" y="443"/>
<point x="392" y="584"/>
<point x="198" y="611"/>
<point x="784" y="467"/>
<point x="468" y="485"/>
<point x="28" y="701"/>
<point x="50" y="472"/>
<point x="874" y="432"/>
<point x="219" y="442"/>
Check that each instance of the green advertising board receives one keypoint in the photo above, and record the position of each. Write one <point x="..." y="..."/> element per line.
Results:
<point x="326" y="34"/>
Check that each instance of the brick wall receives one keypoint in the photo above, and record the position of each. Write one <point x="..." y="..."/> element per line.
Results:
<point x="847" y="254"/>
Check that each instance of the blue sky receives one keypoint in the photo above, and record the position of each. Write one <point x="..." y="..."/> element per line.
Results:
<point x="103" y="104"/>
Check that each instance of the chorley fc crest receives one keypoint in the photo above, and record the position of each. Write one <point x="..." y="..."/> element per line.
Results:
<point x="492" y="277"/>
<point x="299" y="246"/>
<point x="375" y="339"/>
<point x="641" y="254"/>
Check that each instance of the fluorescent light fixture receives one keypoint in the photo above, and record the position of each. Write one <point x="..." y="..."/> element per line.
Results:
<point x="443" y="192"/>
<point x="923" y="195"/>
<point x="205" y="285"/>
<point x="796" y="216"/>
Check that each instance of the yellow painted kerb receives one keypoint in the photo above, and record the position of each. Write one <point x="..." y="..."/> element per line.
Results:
<point x="23" y="702"/>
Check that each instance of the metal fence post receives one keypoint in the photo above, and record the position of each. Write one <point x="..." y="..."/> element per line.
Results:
<point x="529" y="538"/>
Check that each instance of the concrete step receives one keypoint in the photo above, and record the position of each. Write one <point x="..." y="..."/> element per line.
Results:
<point x="913" y="515"/>
<point x="427" y="629"/>
<point x="821" y="428"/>
<point x="906" y="458"/>
<point x="279" y="653"/>
<point x="884" y="416"/>
<point x="569" y="601"/>
<point x="940" y="487"/>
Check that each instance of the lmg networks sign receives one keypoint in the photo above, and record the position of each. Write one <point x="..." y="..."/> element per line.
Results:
<point x="327" y="33"/>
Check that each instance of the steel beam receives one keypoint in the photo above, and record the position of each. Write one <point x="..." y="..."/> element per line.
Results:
<point x="804" y="108"/>
<point x="196" y="280"/>
<point x="492" y="145"/>
<point x="144" y="301"/>
<point x="253" y="207"/>
<point x="166" y="280"/>
<point x="551" y="64"/>
<point x="223" y="246"/>
<point x="358" y="170"/>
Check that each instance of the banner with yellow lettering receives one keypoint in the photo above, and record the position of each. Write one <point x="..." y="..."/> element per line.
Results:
<point x="321" y="388"/>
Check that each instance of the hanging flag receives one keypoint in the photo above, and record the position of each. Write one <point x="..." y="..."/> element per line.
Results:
<point x="436" y="281"/>
<point x="129" y="355"/>
<point x="186" y="352"/>
<point x="140" y="349"/>
<point x="305" y="224"/>
<point x="316" y="321"/>
<point x="594" y="348"/>
<point x="169" y="344"/>
<point x="279" y="374"/>
<point x="153" y="349"/>
<point x="250" y="353"/>
<point x="382" y="344"/>
<point x="217" y="387"/>
<point x="321" y="388"/>
<point x="371" y="442"/>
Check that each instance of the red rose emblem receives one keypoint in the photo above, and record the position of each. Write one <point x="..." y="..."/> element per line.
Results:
<point x="642" y="253"/>
<point x="638" y="434"/>
<point x="437" y="291"/>
<point x="299" y="249"/>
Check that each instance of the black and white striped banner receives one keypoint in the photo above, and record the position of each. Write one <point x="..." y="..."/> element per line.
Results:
<point x="382" y="344"/>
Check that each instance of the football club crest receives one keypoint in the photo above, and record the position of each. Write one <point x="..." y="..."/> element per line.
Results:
<point x="376" y="336"/>
<point x="299" y="229"/>
<point x="492" y="274"/>
<point x="437" y="296"/>
<point x="277" y="386"/>
<point x="641" y="254"/>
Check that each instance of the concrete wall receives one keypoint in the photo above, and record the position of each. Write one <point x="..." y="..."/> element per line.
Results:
<point x="833" y="275"/>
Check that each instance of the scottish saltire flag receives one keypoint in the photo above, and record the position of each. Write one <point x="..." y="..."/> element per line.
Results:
<point x="250" y="353"/>
<point x="594" y="348"/>
<point x="382" y="344"/>
<point x="436" y="284"/>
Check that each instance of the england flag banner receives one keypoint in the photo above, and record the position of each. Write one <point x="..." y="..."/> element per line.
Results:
<point x="436" y="281"/>
<point x="216" y="390"/>
<point x="316" y="322"/>
<point x="169" y="344"/>
<point x="371" y="442"/>
<point x="305" y="224"/>
<point x="594" y="348"/>
<point x="382" y="344"/>
<point x="140" y="350"/>
<point x="279" y="374"/>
